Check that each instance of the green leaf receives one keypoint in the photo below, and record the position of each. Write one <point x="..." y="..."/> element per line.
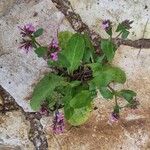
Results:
<point x="107" y="75"/>
<point x="74" y="83"/>
<point x="63" y="38"/>
<point x="108" y="49"/>
<point x="68" y="111"/>
<point x="43" y="89"/>
<point x="96" y="67"/>
<point x="117" y="109"/>
<point x="62" y="62"/>
<point x="127" y="94"/>
<point x="106" y="93"/>
<point x="80" y="115"/>
<point x="41" y="51"/>
<point x="82" y="99"/>
<point x="109" y="32"/>
<point x="88" y="43"/>
<point x="120" y="28"/>
<point x="87" y="55"/>
<point x="125" y="34"/>
<point x="38" y="32"/>
<point x="74" y="51"/>
<point x="89" y="49"/>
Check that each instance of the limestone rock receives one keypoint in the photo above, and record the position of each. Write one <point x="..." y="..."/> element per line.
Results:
<point x="5" y="5"/>
<point x="14" y="132"/>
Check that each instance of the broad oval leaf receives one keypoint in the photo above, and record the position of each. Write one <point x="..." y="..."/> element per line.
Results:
<point x="108" y="48"/>
<point x="82" y="99"/>
<point x="38" y="32"/>
<point x="43" y="89"/>
<point x="107" y="75"/>
<point x="63" y="38"/>
<point x="74" y="51"/>
<point x="80" y="115"/>
<point x="128" y="95"/>
<point x="106" y="93"/>
<point x="41" y="51"/>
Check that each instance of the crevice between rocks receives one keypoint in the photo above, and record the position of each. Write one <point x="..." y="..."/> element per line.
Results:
<point x="79" y="26"/>
<point x="36" y="134"/>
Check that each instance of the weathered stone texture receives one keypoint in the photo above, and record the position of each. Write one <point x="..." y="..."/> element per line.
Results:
<point x="18" y="73"/>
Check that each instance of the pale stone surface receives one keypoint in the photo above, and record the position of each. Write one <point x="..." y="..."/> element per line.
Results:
<point x="5" y="5"/>
<point x="94" y="11"/>
<point x="97" y="133"/>
<point x="14" y="131"/>
<point x="18" y="71"/>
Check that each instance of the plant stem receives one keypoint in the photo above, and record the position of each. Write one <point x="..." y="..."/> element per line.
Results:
<point x="114" y="92"/>
<point x="118" y="34"/>
<point x="116" y="100"/>
<point x="92" y="58"/>
<point x="34" y="41"/>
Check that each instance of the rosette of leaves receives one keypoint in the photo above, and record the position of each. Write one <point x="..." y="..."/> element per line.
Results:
<point x="77" y="75"/>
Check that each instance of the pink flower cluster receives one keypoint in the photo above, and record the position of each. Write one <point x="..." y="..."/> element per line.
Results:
<point x="58" y="123"/>
<point x="106" y="25"/>
<point x="54" y="48"/>
<point x="26" y="31"/>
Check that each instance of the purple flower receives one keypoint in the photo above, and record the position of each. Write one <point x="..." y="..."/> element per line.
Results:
<point x="26" y="45"/>
<point x="54" y="56"/>
<point x="54" y="43"/>
<point x="106" y="25"/>
<point x="114" y="117"/>
<point x="27" y="30"/>
<point x="127" y="24"/>
<point x="58" y="123"/>
<point x="44" y="111"/>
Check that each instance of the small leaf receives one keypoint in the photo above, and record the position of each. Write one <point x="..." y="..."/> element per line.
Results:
<point x="81" y="99"/>
<point x="125" y="34"/>
<point x="41" y="51"/>
<point x="63" y="38"/>
<point x="127" y="94"/>
<point x="80" y="115"/>
<point x="106" y="93"/>
<point x="38" y="32"/>
<point x="109" y="31"/>
<point x="74" y="51"/>
<point x="120" y="28"/>
<point x="43" y="89"/>
<point x="108" y="49"/>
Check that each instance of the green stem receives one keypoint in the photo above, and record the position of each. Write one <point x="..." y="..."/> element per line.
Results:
<point x="114" y="92"/>
<point x="116" y="103"/>
<point x="118" y="34"/>
<point x="34" y="41"/>
<point x="92" y="59"/>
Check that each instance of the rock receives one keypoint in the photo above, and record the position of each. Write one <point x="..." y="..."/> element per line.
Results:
<point x="6" y="147"/>
<point x="5" y="5"/>
<point x="94" y="11"/>
<point x="14" y="131"/>
<point x="25" y="69"/>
